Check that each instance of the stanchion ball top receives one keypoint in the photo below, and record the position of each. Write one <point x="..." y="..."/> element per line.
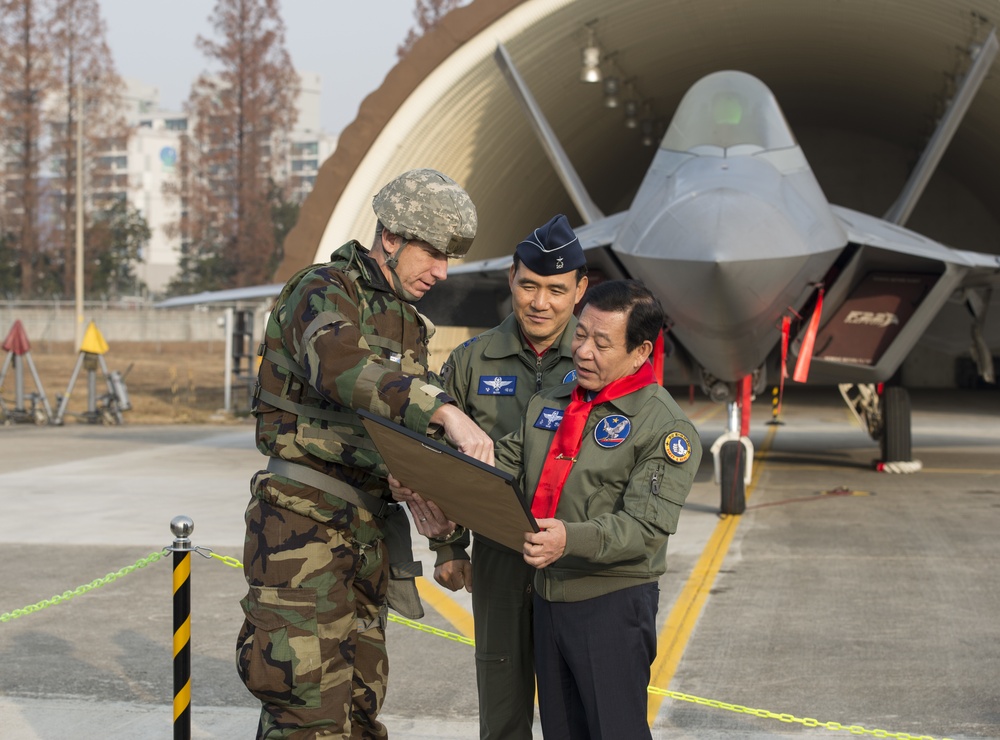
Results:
<point x="181" y="526"/>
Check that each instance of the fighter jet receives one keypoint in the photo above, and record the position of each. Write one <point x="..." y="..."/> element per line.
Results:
<point x="755" y="269"/>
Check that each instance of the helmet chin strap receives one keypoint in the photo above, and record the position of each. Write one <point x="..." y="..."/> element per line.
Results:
<point x="392" y="261"/>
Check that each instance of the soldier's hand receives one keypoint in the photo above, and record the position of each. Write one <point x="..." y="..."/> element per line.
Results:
<point x="400" y="493"/>
<point x="464" y="434"/>
<point x="454" y="574"/>
<point x="429" y="519"/>
<point x="546" y="546"/>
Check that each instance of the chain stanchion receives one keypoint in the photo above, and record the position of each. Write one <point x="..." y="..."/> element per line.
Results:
<point x="775" y="407"/>
<point x="182" y="527"/>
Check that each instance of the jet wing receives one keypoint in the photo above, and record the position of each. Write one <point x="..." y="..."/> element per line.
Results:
<point x="861" y="228"/>
<point x="884" y="294"/>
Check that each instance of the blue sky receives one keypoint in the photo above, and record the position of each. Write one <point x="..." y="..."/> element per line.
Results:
<point x="351" y="43"/>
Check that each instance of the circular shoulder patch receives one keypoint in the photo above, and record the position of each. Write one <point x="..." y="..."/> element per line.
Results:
<point x="677" y="447"/>
<point x="570" y="376"/>
<point x="611" y="431"/>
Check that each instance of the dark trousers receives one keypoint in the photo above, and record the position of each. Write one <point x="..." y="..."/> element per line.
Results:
<point x="592" y="661"/>
<point x="505" y="674"/>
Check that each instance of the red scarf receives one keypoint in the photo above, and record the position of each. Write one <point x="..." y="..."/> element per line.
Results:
<point x="569" y="435"/>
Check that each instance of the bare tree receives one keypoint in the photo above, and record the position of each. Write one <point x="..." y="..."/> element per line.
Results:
<point x="242" y="113"/>
<point x="51" y="51"/>
<point x="85" y="69"/>
<point x="427" y="13"/>
<point x="26" y="77"/>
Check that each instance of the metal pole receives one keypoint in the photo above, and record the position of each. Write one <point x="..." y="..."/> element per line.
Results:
<point x="227" y="387"/>
<point x="91" y="390"/>
<point x="18" y="384"/>
<point x="79" y="216"/>
<point x="182" y="527"/>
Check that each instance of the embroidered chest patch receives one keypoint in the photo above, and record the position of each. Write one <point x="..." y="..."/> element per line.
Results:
<point x="677" y="447"/>
<point x="549" y="418"/>
<point x="611" y="431"/>
<point x="570" y="376"/>
<point x="497" y="385"/>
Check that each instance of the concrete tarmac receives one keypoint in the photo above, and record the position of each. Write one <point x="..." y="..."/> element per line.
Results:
<point x="843" y="595"/>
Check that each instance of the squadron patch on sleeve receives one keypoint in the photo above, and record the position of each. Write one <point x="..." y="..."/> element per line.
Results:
<point x="677" y="447"/>
<point x="549" y="418"/>
<point x="497" y="385"/>
<point x="570" y="376"/>
<point x="611" y="431"/>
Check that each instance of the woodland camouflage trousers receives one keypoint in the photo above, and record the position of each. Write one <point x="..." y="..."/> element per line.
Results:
<point x="312" y="646"/>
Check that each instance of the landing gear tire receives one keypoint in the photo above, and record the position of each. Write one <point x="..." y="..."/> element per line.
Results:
<point x="732" y="475"/>
<point x="897" y="444"/>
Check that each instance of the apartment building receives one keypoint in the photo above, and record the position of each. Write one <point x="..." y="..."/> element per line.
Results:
<point x="141" y="170"/>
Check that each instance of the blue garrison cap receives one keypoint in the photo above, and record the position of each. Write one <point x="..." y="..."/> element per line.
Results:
<point x="552" y="249"/>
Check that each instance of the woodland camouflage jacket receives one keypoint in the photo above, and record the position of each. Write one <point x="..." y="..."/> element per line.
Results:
<point x="338" y="339"/>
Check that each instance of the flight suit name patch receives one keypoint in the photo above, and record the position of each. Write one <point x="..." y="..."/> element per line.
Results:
<point x="611" y="431"/>
<point x="497" y="385"/>
<point x="549" y="418"/>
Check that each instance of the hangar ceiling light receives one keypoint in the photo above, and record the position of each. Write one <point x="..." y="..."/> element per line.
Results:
<point x="591" y="70"/>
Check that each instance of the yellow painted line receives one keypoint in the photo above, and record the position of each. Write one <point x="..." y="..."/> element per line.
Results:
<point x="444" y="605"/>
<point x="683" y="617"/>
<point x="706" y="413"/>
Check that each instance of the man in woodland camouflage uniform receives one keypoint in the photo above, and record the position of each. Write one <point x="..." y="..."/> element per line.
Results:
<point x="344" y="336"/>
<point x="492" y="376"/>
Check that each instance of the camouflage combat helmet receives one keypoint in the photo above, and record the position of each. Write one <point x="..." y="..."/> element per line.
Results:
<point x="428" y="206"/>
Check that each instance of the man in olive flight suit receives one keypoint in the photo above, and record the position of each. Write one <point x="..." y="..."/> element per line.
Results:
<point x="607" y="464"/>
<point x="492" y="376"/>
<point x="343" y="336"/>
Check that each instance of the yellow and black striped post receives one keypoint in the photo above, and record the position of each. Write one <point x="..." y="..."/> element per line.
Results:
<point x="775" y="406"/>
<point x="182" y="527"/>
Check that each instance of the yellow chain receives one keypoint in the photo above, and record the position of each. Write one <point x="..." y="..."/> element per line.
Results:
<point x="67" y="595"/>
<point x="713" y="703"/>
<point x="788" y="718"/>
<point x="226" y="559"/>
<point x="432" y="630"/>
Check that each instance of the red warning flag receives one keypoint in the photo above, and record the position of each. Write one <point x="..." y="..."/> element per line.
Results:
<point x="808" y="342"/>
<point x="658" y="358"/>
<point x="17" y="340"/>
<point x="786" y="332"/>
<point x="745" y="399"/>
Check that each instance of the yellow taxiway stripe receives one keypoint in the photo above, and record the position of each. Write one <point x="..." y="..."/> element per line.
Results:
<point x="684" y="615"/>
<point x="443" y="604"/>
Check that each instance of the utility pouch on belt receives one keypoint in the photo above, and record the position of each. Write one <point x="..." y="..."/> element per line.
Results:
<point x="403" y="569"/>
